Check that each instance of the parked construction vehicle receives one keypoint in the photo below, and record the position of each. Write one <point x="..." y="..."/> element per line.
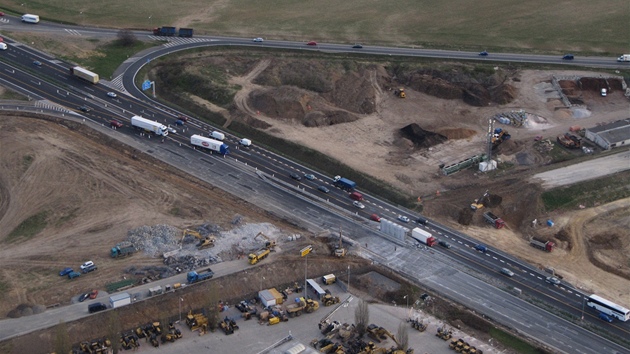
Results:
<point x="461" y="346"/>
<point x="340" y="251"/>
<point x="542" y="244"/>
<point x="194" y="276"/>
<point x="376" y="333"/>
<point x="204" y="242"/>
<point x="400" y="93"/>
<point x="123" y="249"/>
<point x="478" y="203"/>
<point x="417" y="324"/>
<point x="498" y="137"/>
<point x="494" y="220"/>
<point x="269" y="243"/>
<point x="258" y="255"/>
<point x="129" y="341"/>
<point x="346" y="331"/>
<point x="301" y="304"/>
<point x="228" y="325"/>
<point x="329" y="300"/>
<point x="172" y="334"/>
<point x="569" y="141"/>
<point x="196" y="322"/>
<point x="444" y="333"/>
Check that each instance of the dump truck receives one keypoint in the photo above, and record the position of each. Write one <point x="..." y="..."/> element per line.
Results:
<point x="344" y="183"/>
<point x="210" y="144"/>
<point x="84" y="74"/>
<point x="300" y="304"/>
<point x="423" y="236"/>
<point x="194" y="276"/>
<point x="150" y="126"/>
<point x="624" y="58"/>
<point x="541" y="244"/>
<point x="258" y="255"/>
<point x="569" y="141"/>
<point x="165" y="31"/>
<point x="494" y="220"/>
<point x="123" y="249"/>
<point x="185" y="32"/>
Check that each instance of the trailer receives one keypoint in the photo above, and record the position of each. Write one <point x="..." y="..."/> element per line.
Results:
<point x="210" y="144"/>
<point x="344" y="183"/>
<point x="149" y="126"/>
<point x="542" y="244"/>
<point x="185" y="32"/>
<point x="494" y="220"/>
<point x="423" y="236"/>
<point x="119" y="300"/>
<point x="84" y="74"/>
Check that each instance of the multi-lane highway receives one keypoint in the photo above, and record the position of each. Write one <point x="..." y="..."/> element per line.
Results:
<point x="51" y="82"/>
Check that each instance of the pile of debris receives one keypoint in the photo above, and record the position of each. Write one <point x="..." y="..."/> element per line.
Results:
<point x="154" y="240"/>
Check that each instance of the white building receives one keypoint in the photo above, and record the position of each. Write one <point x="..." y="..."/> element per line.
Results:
<point x="611" y="135"/>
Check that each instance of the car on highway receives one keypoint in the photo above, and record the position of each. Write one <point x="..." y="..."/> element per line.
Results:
<point x="295" y="176"/>
<point x="179" y="122"/>
<point x="85" y="109"/>
<point x="37" y="63"/>
<point x="375" y="217"/>
<point x="93" y="294"/>
<point x="568" y="57"/>
<point x="357" y="46"/>
<point x="481" y="248"/>
<point x="552" y="280"/>
<point x="422" y="221"/>
<point x="323" y="189"/>
<point x="258" y="40"/>
<point x="65" y="271"/>
<point x="483" y="54"/>
<point x="171" y="130"/>
<point x="311" y="43"/>
<point x="112" y="94"/>
<point x="507" y="272"/>
<point x="84" y="297"/>
<point x="3" y="46"/>
<point x="444" y="244"/>
<point x="309" y="176"/>
<point x="358" y="204"/>
<point x="115" y="124"/>
<point x="403" y="218"/>
<point x="605" y="317"/>
<point x="183" y="118"/>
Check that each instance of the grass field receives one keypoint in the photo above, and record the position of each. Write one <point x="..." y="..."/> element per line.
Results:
<point x="579" y="26"/>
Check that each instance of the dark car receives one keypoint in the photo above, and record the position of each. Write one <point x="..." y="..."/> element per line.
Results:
<point x="483" y="54"/>
<point x="96" y="307"/>
<point x="116" y="124"/>
<point x="37" y="63"/>
<point x="357" y="46"/>
<point x="84" y="297"/>
<point x="568" y="57"/>
<point x="65" y="271"/>
<point x="323" y="189"/>
<point x="183" y="118"/>
<point x="85" y="109"/>
<point x="179" y="122"/>
<point x="481" y="248"/>
<point x="444" y="244"/>
<point x="311" y="43"/>
<point x="422" y="221"/>
<point x="89" y="269"/>
<point x="295" y="176"/>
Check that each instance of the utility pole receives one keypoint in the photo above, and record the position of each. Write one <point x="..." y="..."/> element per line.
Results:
<point x="304" y="253"/>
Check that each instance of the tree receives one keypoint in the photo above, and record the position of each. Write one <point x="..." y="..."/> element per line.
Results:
<point x="126" y="38"/>
<point x="62" y="338"/>
<point x="403" y="336"/>
<point x="361" y="318"/>
<point x="212" y="310"/>
<point x="113" y="330"/>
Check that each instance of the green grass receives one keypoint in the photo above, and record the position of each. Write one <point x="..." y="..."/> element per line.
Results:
<point x="30" y="227"/>
<point x="588" y="193"/>
<point x="111" y="55"/>
<point x="581" y="26"/>
<point x="513" y="342"/>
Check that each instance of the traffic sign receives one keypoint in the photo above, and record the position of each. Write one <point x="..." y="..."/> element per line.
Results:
<point x="146" y="85"/>
<point x="306" y="250"/>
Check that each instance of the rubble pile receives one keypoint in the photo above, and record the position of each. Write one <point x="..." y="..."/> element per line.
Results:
<point x="154" y="240"/>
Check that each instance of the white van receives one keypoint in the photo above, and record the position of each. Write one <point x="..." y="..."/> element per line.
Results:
<point x="28" y="18"/>
<point x="245" y="142"/>
<point x="3" y="46"/>
<point x="217" y="135"/>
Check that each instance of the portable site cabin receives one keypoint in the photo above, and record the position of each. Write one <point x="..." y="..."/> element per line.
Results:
<point x="119" y="300"/>
<point x="270" y="297"/>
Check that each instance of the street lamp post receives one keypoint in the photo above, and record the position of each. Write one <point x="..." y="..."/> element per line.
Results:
<point x="348" y="280"/>
<point x="261" y="281"/>
<point x="181" y="299"/>
<point x="407" y="297"/>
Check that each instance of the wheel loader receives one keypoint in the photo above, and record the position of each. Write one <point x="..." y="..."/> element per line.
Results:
<point x="400" y="93"/>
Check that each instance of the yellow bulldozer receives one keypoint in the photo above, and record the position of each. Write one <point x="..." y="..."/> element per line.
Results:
<point x="197" y="322"/>
<point x="204" y="242"/>
<point x="400" y="93"/>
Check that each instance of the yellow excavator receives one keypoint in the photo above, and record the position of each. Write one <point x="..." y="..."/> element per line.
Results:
<point x="204" y="242"/>
<point x="400" y="93"/>
<point x="478" y="203"/>
<point x="269" y="243"/>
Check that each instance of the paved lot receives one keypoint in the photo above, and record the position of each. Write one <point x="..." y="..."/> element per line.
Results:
<point x="254" y="338"/>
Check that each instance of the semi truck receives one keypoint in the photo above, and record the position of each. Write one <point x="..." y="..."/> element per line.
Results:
<point x="423" y="236"/>
<point x="494" y="220"/>
<point x="624" y="57"/>
<point x="344" y="183"/>
<point x="194" y="276"/>
<point x="84" y="74"/>
<point x="123" y="249"/>
<point x="172" y="31"/>
<point x="541" y="244"/>
<point x="149" y="126"/>
<point x="210" y="144"/>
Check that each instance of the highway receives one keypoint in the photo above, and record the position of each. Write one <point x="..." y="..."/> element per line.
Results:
<point x="52" y="82"/>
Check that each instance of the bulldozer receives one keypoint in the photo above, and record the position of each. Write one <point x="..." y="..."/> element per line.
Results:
<point x="444" y="333"/>
<point x="400" y="93"/>
<point x="204" y="242"/>
<point x="418" y="325"/>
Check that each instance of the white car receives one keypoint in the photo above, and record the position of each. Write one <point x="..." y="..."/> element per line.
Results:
<point x="358" y="204"/>
<point x="553" y="280"/>
<point x="258" y="39"/>
<point x="112" y="94"/>
<point x="87" y="265"/>
<point x="403" y="218"/>
<point x="171" y="130"/>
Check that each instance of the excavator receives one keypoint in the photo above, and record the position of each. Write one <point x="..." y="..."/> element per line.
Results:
<point x="478" y="203"/>
<point x="204" y="242"/>
<point x="340" y="251"/>
<point x="269" y="243"/>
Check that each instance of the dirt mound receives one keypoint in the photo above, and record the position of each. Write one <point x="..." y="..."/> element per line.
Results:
<point x="606" y="241"/>
<point x="282" y="102"/>
<point x="323" y="118"/>
<point x="422" y="138"/>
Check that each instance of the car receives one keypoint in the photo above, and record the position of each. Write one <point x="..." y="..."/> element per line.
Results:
<point x="422" y="221"/>
<point x="323" y="189"/>
<point x="258" y="40"/>
<point x="93" y="294"/>
<point x="179" y="122"/>
<point x="605" y="317"/>
<point x="65" y="271"/>
<point x="604" y="92"/>
<point x="183" y="118"/>
<point x="99" y="306"/>
<point x="112" y="94"/>
<point x="403" y="218"/>
<point x="37" y="63"/>
<point x="552" y="280"/>
<point x="85" y="109"/>
<point x="444" y="244"/>
<point x="295" y="176"/>
<point x="358" y="204"/>
<point x="309" y="176"/>
<point x="89" y="269"/>
<point x="357" y="46"/>
<point x="171" y="130"/>
<point x="507" y="272"/>
<point x="84" y="297"/>
<point x="567" y="57"/>
<point x="3" y="46"/>
<point x="73" y="275"/>
<point x="87" y="265"/>
<point x="375" y="217"/>
<point x="1" y="13"/>
<point x="311" y="43"/>
<point x="245" y="142"/>
<point x="115" y="124"/>
<point x="481" y="248"/>
<point x="483" y="54"/>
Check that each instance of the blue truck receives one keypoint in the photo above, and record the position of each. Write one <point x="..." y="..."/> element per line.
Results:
<point x="185" y="32"/>
<point x="165" y="31"/>
<point x="194" y="276"/>
<point x="344" y="183"/>
<point x="123" y="249"/>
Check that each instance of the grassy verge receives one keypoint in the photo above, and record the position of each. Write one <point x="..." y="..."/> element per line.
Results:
<point x="513" y="342"/>
<point x="30" y="227"/>
<point x="588" y="193"/>
<point x="111" y="55"/>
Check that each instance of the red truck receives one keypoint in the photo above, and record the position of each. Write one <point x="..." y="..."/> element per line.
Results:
<point x="541" y="244"/>
<point x="356" y="196"/>
<point x="494" y="220"/>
